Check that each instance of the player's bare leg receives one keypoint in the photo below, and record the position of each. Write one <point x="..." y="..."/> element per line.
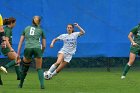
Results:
<point x="56" y="64"/>
<point x="60" y="67"/>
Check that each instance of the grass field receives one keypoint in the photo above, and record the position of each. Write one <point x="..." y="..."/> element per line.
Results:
<point x="96" y="80"/>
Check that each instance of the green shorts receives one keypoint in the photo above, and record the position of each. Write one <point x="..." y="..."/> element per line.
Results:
<point x="30" y="52"/>
<point x="5" y="51"/>
<point x="135" y="50"/>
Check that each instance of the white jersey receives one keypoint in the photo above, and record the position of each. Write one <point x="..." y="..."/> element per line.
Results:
<point x="70" y="42"/>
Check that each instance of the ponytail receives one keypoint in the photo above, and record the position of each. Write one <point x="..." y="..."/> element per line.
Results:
<point x="7" y="21"/>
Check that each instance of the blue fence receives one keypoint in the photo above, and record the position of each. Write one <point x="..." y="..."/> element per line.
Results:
<point x="106" y="22"/>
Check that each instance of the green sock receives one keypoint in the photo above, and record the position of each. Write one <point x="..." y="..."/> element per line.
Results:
<point x="41" y="77"/>
<point x="24" y="70"/>
<point x="126" y="69"/>
<point x="1" y="83"/>
<point x="10" y="64"/>
<point x="17" y="69"/>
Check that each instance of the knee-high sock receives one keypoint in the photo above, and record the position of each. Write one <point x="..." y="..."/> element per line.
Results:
<point x="10" y="64"/>
<point x="18" y="72"/>
<point x="52" y="68"/>
<point x="126" y="69"/>
<point x="41" y="77"/>
<point x="24" y="70"/>
<point x="54" y="73"/>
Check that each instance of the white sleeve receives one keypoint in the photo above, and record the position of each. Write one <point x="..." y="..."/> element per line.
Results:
<point x="61" y="37"/>
<point x="77" y="34"/>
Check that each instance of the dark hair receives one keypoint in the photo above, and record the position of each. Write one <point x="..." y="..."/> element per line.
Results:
<point x="72" y="27"/>
<point x="7" y="21"/>
<point x="34" y="22"/>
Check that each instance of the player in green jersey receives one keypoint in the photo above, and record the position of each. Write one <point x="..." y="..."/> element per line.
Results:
<point x="9" y="51"/>
<point x="32" y="35"/>
<point x="134" y="37"/>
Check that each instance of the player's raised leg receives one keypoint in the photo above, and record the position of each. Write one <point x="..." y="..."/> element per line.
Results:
<point x="56" y="64"/>
<point x="60" y="67"/>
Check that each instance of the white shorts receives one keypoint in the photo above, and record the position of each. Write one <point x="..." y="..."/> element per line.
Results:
<point x="67" y="56"/>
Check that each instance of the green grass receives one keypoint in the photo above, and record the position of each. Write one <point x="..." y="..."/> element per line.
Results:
<point x="76" y="81"/>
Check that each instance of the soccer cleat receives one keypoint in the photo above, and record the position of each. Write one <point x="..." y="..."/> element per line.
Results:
<point x="122" y="77"/>
<point x="19" y="86"/>
<point x="3" y="69"/>
<point x="42" y="87"/>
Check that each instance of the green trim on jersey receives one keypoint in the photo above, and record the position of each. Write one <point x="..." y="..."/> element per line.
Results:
<point x="33" y="35"/>
<point x="8" y="33"/>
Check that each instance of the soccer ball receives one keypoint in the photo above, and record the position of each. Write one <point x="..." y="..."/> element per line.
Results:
<point x="47" y="75"/>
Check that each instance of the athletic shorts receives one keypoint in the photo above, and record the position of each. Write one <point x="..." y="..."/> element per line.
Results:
<point x="67" y="56"/>
<point x="32" y="52"/>
<point x="135" y="50"/>
<point x="5" y="51"/>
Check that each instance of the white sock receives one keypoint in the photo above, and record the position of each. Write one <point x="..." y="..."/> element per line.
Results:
<point x="52" y="68"/>
<point x="128" y="64"/>
<point x="54" y="73"/>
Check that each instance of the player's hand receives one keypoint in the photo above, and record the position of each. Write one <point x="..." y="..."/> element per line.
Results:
<point x="18" y="60"/>
<point x="135" y="44"/>
<point x="3" y="44"/>
<point x="51" y="46"/>
<point x="12" y="50"/>
<point x="76" y="24"/>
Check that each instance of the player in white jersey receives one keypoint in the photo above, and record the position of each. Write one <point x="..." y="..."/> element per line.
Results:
<point x="68" y="49"/>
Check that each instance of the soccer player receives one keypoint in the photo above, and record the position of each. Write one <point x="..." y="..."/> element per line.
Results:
<point x="134" y="37"/>
<point x="2" y="40"/>
<point x="32" y="35"/>
<point x="68" y="49"/>
<point x="9" y="51"/>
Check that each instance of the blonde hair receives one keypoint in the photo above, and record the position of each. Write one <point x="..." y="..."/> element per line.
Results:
<point x="1" y="20"/>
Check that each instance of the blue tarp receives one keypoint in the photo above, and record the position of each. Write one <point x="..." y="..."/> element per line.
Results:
<point x="106" y="22"/>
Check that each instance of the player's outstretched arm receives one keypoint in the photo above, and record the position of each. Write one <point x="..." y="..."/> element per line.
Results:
<point x="20" y="45"/>
<point x="80" y="28"/>
<point x="53" y="41"/>
<point x="43" y="44"/>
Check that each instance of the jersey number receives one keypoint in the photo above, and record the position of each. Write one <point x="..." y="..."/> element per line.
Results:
<point x="32" y="31"/>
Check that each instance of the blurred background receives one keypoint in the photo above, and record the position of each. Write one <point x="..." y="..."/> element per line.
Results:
<point x="107" y="24"/>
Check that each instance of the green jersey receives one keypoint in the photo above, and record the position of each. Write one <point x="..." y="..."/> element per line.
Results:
<point x="136" y="33"/>
<point x="8" y="33"/>
<point x="32" y="36"/>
